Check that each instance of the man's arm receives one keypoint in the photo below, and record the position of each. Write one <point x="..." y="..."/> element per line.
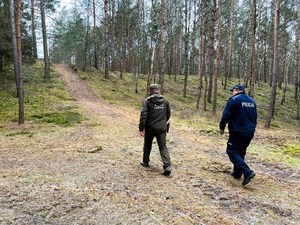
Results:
<point x="226" y="116"/>
<point x="143" y="116"/>
<point x="168" y="110"/>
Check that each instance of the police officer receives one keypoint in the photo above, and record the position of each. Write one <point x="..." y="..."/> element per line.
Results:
<point x="154" y="116"/>
<point x="241" y="116"/>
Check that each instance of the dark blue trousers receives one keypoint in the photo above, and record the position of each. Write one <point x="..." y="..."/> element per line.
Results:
<point x="236" y="149"/>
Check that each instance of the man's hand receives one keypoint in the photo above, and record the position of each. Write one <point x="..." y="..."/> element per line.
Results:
<point x="142" y="133"/>
<point x="221" y="132"/>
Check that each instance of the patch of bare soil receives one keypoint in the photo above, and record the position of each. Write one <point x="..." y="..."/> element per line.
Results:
<point x="90" y="174"/>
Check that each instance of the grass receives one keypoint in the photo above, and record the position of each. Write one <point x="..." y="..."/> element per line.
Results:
<point x="50" y="102"/>
<point x="285" y="124"/>
<point x="121" y="91"/>
<point x="44" y="101"/>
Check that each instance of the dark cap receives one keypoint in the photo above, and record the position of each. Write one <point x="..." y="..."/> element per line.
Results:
<point x="153" y="87"/>
<point x="238" y="87"/>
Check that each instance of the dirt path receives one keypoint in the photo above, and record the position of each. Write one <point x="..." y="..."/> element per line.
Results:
<point x="90" y="174"/>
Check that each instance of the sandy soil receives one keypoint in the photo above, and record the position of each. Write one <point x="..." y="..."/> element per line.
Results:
<point x="90" y="174"/>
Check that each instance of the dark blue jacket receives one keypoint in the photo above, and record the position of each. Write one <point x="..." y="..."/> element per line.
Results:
<point x="240" y="114"/>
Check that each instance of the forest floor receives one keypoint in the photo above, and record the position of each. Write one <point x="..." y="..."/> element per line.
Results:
<point x="89" y="173"/>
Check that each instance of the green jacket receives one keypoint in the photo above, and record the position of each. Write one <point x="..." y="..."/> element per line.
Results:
<point x="154" y="114"/>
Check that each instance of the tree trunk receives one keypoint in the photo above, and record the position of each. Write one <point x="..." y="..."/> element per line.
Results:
<point x="275" y="67"/>
<point x="206" y="81"/>
<point x="285" y="75"/>
<point x="253" y="58"/>
<point x="211" y="52"/>
<point x="162" y="46"/>
<point x="14" y="42"/>
<point x="297" y="82"/>
<point x="34" y="47"/>
<point x="200" y="53"/>
<point x="176" y="40"/>
<point x="19" y="47"/>
<point x="228" y="47"/>
<point x="112" y="34"/>
<point x="45" y="42"/>
<point x="217" y="68"/>
<point x="139" y="47"/>
<point x="170" y="42"/>
<point x="106" y="59"/>
<point x="95" y="37"/>
<point x="86" y="47"/>
<point x="154" y="33"/>
<point x="186" y="49"/>
<point x="123" y="39"/>
<point x="265" y="63"/>
<point x="258" y="49"/>
<point x="192" y="69"/>
<point x="16" y="39"/>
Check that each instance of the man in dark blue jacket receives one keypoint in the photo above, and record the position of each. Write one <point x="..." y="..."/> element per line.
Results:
<point x="154" y="117"/>
<point x="241" y="116"/>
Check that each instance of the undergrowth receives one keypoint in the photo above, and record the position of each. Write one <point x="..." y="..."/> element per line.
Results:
<point x="44" y="101"/>
<point x="122" y="92"/>
<point x="130" y="92"/>
<point x="50" y="102"/>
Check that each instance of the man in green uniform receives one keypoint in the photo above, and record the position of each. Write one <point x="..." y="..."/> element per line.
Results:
<point x="154" y="116"/>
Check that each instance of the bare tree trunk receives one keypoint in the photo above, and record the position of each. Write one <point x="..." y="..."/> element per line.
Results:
<point x="128" y="46"/>
<point x="86" y="37"/>
<point x="113" y="67"/>
<point x="106" y="59"/>
<point x="35" y="55"/>
<point x="192" y="69"/>
<point x="95" y="37"/>
<point x="258" y="47"/>
<point x="200" y="53"/>
<point x="179" y="51"/>
<point x="162" y="46"/>
<point x="217" y="68"/>
<point x="176" y="45"/>
<point x="211" y="52"/>
<point x="253" y="59"/>
<point x="170" y="33"/>
<point x="45" y="41"/>
<point x="285" y="75"/>
<point x="283" y="59"/>
<point x="154" y="33"/>
<point x="138" y="54"/>
<point x="265" y="63"/>
<point x="206" y="81"/>
<point x="228" y="53"/>
<point x="186" y="40"/>
<point x="151" y="74"/>
<point x="19" y="47"/>
<point x="16" y="38"/>
<point x="14" y="42"/>
<point x="123" y="40"/>
<point x="275" y="67"/>
<point x="297" y="89"/>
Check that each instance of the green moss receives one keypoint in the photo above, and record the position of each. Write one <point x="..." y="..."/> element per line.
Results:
<point x="273" y="153"/>
<point x="292" y="150"/>
<point x="25" y="133"/>
<point x="66" y="118"/>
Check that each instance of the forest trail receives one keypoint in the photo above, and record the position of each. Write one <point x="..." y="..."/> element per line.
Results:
<point x="90" y="174"/>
